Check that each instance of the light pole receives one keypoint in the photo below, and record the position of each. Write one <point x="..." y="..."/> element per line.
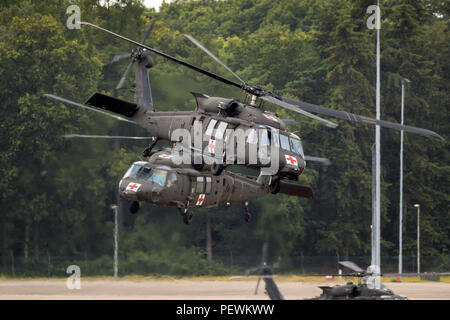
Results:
<point x="116" y="240"/>
<point x="418" y="236"/>
<point x="400" y="238"/>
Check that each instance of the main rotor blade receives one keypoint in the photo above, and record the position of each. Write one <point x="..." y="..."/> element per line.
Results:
<point x="289" y="106"/>
<point x="322" y="161"/>
<point x="104" y="137"/>
<point x="289" y="122"/>
<point x="121" y="56"/>
<point x="51" y="96"/>
<point x="415" y="274"/>
<point x="198" y="44"/>
<point x="351" y="265"/>
<point x="149" y="30"/>
<point x="188" y="65"/>
<point x="357" y="118"/>
<point x="124" y="77"/>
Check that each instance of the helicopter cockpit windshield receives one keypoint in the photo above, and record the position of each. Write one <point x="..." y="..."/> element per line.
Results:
<point x="158" y="177"/>
<point x="132" y="171"/>
<point x="155" y="175"/>
<point x="296" y="146"/>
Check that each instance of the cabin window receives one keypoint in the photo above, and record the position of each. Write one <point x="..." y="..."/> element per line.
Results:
<point x="296" y="146"/>
<point x="220" y="131"/>
<point x="275" y="137"/>
<point x="158" y="177"/>
<point x="265" y="141"/>
<point x="252" y="137"/>
<point x="284" y="142"/>
<point x="228" y="135"/>
<point x="210" y="128"/>
<point x="208" y="184"/>
<point x="171" y="179"/>
<point x="200" y="185"/>
<point x="132" y="172"/>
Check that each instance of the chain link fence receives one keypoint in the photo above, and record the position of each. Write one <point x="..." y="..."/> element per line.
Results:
<point x="56" y="266"/>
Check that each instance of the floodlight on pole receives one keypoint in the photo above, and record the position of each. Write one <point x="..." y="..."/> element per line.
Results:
<point x="400" y="237"/>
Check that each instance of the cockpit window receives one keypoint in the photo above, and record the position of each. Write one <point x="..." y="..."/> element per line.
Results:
<point x="131" y="173"/>
<point x="158" y="177"/>
<point x="144" y="173"/>
<point x="284" y="142"/>
<point x="296" y="146"/>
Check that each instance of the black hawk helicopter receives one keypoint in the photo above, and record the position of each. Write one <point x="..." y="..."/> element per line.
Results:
<point x="158" y="181"/>
<point x="365" y="289"/>
<point x="214" y="115"/>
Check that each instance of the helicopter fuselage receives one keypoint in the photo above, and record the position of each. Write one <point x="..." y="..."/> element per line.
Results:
<point x="230" y="132"/>
<point x="184" y="188"/>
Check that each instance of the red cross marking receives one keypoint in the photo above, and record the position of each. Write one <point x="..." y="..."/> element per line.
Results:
<point x="165" y="156"/>
<point x="132" y="186"/>
<point x="268" y="116"/>
<point x="291" y="160"/>
<point x="212" y="145"/>
<point x="200" y="199"/>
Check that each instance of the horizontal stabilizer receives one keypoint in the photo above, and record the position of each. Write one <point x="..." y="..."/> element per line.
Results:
<point x="112" y="104"/>
<point x="79" y="105"/>
<point x="295" y="190"/>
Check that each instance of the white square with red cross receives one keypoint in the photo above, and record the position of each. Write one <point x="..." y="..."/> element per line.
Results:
<point x="291" y="160"/>
<point x="201" y="199"/>
<point x="133" y="186"/>
<point x="268" y="116"/>
<point x="212" y="145"/>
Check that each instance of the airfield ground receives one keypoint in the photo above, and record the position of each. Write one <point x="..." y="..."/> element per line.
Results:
<point x="199" y="289"/>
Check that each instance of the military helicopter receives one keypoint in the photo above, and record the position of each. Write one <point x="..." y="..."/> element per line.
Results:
<point x="214" y="115"/>
<point x="350" y="291"/>
<point x="364" y="290"/>
<point x="159" y="182"/>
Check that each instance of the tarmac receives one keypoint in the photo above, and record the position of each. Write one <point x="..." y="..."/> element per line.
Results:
<point x="191" y="290"/>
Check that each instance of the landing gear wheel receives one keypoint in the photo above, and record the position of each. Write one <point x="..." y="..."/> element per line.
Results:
<point x="187" y="217"/>
<point x="135" y="206"/>
<point x="274" y="187"/>
<point x="216" y="169"/>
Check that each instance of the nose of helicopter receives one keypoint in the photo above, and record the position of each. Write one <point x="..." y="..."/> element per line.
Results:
<point x="137" y="190"/>
<point x="129" y="190"/>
